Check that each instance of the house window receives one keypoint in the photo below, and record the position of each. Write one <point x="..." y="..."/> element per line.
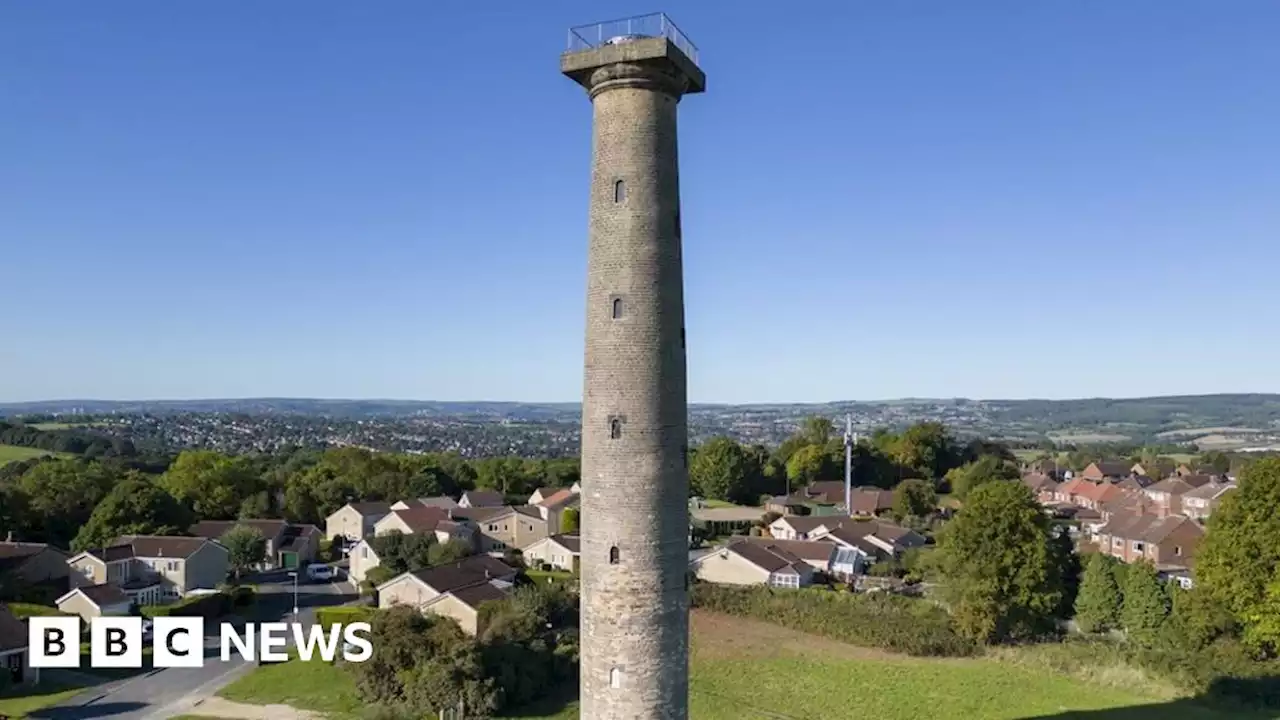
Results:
<point x="784" y="581"/>
<point x="619" y="191"/>
<point x="499" y="546"/>
<point x="1137" y="546"/>
<point x="616" y="307"/>
<point x="173" y="566"/>
<point x="364" y="552"/>
<point x="493" y="527"/>
<point x="615" y="678"/>
<point x="1177" y="550"/>
<point x="613" y="555"/>
<point x="615" y="428"/>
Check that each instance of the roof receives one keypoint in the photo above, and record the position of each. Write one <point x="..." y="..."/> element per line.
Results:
<point x="1039" y="481"/>
<point x="808" y="550"/>
<point x="1112" y="468"/>
<point x="295" y="535"/>
<point x="809" y="523"/>
<point x="769" y="558"/>
<point x="569" y="541"/>
<point x="13" y="632"/>
<point x="1172" y="485"/>
<point x="559" y="498"/>
<point x="421" y="519"/>
<point x="150" y="546"/>
<point x="215" y="529"/>
<point x="465" y="572"/>
<point x="867" y="501"/>
<point x="441" y="501"/>
<point x="474" y="595"/>
<point x="371" y="508"/>
<point x="483" y="498"/>
<point x="1198" y="480"/>
<point x="1148" y="528"/>
<point x="482" y="514"/>
<point x="100" y="595"/>
<point x="1210" y="491"/>
<point x="14" y="554"/>
<point x="532" y="511"/>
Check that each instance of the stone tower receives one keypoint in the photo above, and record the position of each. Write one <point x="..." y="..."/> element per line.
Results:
<point x="635" y="480"/>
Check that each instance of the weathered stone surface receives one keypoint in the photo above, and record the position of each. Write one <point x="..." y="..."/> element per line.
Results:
<point x="635" y="613"/>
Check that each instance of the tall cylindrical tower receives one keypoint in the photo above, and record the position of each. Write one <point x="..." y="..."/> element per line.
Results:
<point x="635" y="480"/>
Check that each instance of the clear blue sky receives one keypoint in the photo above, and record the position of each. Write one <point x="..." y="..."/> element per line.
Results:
<point x="881" y="199"/>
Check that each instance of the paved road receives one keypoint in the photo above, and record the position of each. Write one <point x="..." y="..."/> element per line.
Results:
<point x="163" y="693"/>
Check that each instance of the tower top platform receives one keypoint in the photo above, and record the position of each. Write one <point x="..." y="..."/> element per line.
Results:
<point x="644" y="38"/>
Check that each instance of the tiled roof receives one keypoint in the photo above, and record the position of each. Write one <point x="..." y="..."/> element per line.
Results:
<point x="559" y="498"/>
<point x="474" y="595"/>
<point x="422" y="519"/>
<point x="1210" y="491"/>
<point x="112" y="553"/>
<point x="768" y="558"/>
<point x="482" y="514"/>
<point x="1039" y="481"/>
<point x="1172" y="486"/>
<point x="372" y="507"/>
<point x="152" y="546"/>
<point x="569" y="541"/>
<point x="483" y="498"/>
<point x="442" y="501"/>
<point x="469" y="571"/>
<point x="868" y="501"/>
<point x="104" y="594"/>
<point x="808" y="550"/>
<point x="14" y="554"/>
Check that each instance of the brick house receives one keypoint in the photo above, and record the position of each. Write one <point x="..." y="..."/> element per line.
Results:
<point x="1199" y="503"/>
<point x="1106" y="470"/>
<point x="1165" y="541"/>
<point x="1166" y="495"/>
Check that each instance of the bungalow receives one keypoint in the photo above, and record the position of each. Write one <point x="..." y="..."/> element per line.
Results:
<point x="870" y="501"/>
<point x="91" y="601"/>
<point x="562" y="552"/>
<point x="541" y="495"/>
<point x="455" y="590"/>
<point x="872" y="540"/>
<point x="800" y="527"/>
<point x="1201" y="502"/>
<point x="481" y="499"/>
<point x="152" y="569"/>
<point x="422" y="520"/>
<point x="355" y="520"/>
<point x="13" y="650"/>
<point x="288" y="546"/>
<point x="754" y="563"/>
<point x="1165" y="541"/>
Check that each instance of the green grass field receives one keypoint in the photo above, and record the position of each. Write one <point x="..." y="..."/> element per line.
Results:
<point x="66" y="426"/>
<point x="13" y="453"/>
<point x="19" y="702"/>
<point x="743" y="669"/>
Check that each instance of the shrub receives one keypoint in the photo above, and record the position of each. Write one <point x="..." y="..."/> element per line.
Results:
<point x="884" y="621"/>
<point x="327" y="617"/>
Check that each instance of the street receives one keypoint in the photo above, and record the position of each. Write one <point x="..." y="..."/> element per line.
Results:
<point x="163" y="693"/>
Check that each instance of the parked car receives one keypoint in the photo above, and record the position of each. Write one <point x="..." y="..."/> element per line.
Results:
<point x="318" y="572"/>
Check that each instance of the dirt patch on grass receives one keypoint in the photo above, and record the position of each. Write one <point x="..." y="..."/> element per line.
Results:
<point x="725" y="636"/>
<point x="216" y="707"/>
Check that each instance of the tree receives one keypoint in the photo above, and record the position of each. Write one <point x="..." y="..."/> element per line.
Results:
<point x="996" y="566"/>
<point x="810" y="464"/>
<point x="817" y="430"/>
<point x="989" y="468"/>
<point x="135" y="506"/>
<point x="569" y="520"/>
<point x="1215" y="460"/>
<point x="1262" y="623"/>
<point x="722" y="470"/>
<point x="914" y="498"/>
<point x="1146" y="604"/>
<point x="246" y="547"/>
<point x="1098" y="604"/>
<point x="210" y="483"/>
<point x="1240" y="555"/>
<point x="926" y="450"/>
<point x="60" y="496"/>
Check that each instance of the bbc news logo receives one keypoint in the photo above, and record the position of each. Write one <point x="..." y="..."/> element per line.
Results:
<point x="118" y="642"/>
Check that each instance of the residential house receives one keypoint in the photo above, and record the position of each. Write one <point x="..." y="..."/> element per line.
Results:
<point x="785" y="505"/>
<point x="552" y="505"/>
<point x="1045" y="466"/>
<point x="355" y="520"/>
<point x="1106" y="470"/>
<point x="91" y="601"/>
<point x="1043" y="486"/>
<point x="1199" y="503"/>
<point x="825" y="491"/>
<point x="724" y="520"/>
<point x="1168" y="541"/>
<point x="1158" y="469"/>
<point x="543" y="494"/>
<point x="288" y="546"/>
<point x="823" y="555"/>
<point x="13" y="650"/>
<point x="503" y="527"/>
<point x="800" y="527"/>
<point x="1166" y="495"/>
<point x="27" y="565"/>
<point x="444" y="502"/>
<point x="456" y="590"/>
<point x="152" y="569"/>
<point x="562" y="552"/>
<point x="871" y="540"/>
<point x="754" y="563"/>
<point x="870" y="501"/>
<point x="426" y="519"/>
<point x="1087" y="493"/>
<point x="481" y="499"/>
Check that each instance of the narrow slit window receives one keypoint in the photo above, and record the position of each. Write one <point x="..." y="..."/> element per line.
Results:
<point x="615" y="678"/>
<point x="619" y="191"/>
<point x="613" y="555"/>
<point x="615" y="428"/>
<point x="616" y="308"/>
<point x="682" y="345"/>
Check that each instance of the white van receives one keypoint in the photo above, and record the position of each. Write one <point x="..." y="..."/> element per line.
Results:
<point x="318" y="572"/>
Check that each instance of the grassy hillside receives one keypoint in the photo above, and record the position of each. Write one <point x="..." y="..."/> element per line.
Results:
<point x="13" y="453"/>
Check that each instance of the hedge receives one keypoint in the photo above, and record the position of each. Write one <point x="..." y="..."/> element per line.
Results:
<point x="879" y="620"/>
<point x="26" y="610"/>
<point x="327" y="617"/>
<point x="207" y="606"/>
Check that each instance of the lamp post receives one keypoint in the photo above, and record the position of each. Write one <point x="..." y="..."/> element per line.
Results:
<point x="295" y="594"/>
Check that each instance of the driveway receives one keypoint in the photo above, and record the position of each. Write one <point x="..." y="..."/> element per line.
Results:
<point x="165" y="692"/>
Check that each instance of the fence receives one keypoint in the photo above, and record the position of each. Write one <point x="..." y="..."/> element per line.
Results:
<point x="587" y="37"/>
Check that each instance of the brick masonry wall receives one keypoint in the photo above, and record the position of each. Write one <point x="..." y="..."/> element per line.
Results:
<point x="635" y="614"/>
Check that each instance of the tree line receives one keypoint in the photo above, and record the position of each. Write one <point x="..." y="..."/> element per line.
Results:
<point x="67" y="441"/>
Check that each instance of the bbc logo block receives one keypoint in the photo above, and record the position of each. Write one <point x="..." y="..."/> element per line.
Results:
<point x="120" y="642"/>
